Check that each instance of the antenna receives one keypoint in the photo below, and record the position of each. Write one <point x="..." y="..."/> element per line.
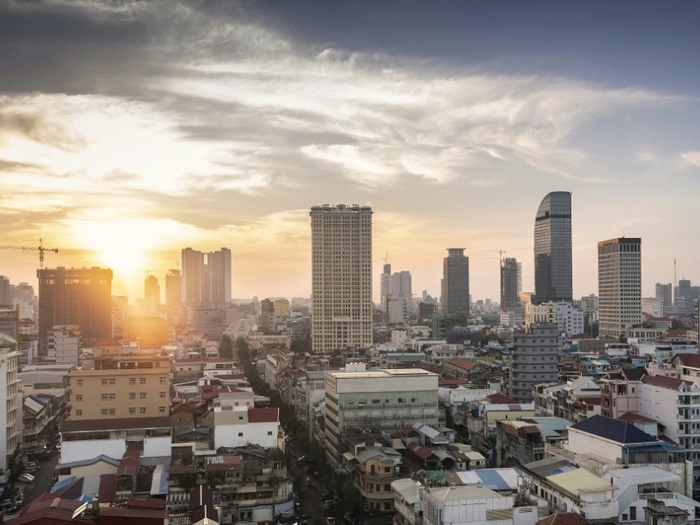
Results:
<point x="386" y="259"/>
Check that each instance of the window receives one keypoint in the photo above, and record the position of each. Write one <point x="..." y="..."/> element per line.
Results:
<point x="142" y="410"/>
<point x="80" y="382"/>
<point x="162" y="380"/>
<point x="142" y="380"/>
<point x="132" y="380"/>
<point x="112" y="411"/>
<point x="104" y="397"/>
<point x="132" y="395"/>
<point x="103" y="411"/>
<point x="112" y="397"/>
<point x="161" y="410"/>
<point x="240" y="434"/>
<point x="79" y="397"/>
<point x="142" y="395"/>
<point x="104" y="382"/>
<point x="78" y="412"/>
<point x="269" y="432"/>
<point x="132" y="410"/>
<point x="162" y="395"/>
<point x="112" y="381"/>
<point x="402" y="400"/>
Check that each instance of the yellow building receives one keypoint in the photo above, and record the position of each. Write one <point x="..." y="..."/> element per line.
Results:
<point x="120" y="386"/>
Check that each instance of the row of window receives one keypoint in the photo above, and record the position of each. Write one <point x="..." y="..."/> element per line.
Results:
<point x="113" y="411"/>
<point x="132" y="381"/>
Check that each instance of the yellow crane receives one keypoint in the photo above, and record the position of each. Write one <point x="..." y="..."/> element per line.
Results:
<point x="41" y="248"/>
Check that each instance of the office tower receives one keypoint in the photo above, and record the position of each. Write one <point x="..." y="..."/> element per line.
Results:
<point x="341" y="290"/>
<point x="267" y="316"/>
<point x="386" y="400"/>
<point x="151" y="289"/>
<point x="665" y="292"/>
<point x="384" y="289"/>
<point x="9" y="321"/>
<point x="553" y="248"/>
<point x="619" y="286"/>
<point x="72" y="296"/>
<point x="193" y="277"/>
<point x="11" y="399"/>
<point x="219" y="274"/>
<point x="511" y="283"/>
<point x="173" y="287"/>
<point x="5" y="295"/>
<point x="534" y="360"/>
<point x="455" y="282"/>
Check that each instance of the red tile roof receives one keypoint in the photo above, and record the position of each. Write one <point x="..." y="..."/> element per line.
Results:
<point x="461" y="362"/>
<point x="500" y="399"/>
<point x="564" y="518"/>
<point x="664" y="381"/>
<point x="692" y="360"/>
<point x="631" y="417"/>
<point x="263" y="415"/>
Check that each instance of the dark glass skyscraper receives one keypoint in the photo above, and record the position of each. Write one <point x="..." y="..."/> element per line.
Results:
<point x="553" y="248"/>
<point x="511" y="283"/>
<point x="455" y="282"/>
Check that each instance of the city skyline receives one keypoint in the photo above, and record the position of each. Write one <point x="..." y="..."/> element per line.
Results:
<point x="131" y="131"/>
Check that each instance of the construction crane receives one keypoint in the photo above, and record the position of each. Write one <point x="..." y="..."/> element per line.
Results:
<point x="41" y="249"/>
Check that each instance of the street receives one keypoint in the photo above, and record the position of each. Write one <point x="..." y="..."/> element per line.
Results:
<point x="42" y="480"/>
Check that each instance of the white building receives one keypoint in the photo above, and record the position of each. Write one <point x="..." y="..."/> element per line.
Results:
<point x="619" y="285"/>
<point x="241" y="425"/>
<point x="11" y="399"/>
<point x="534" y="360"/>
<point x="653" y="306"/>
<point x="64" y="344"/>
<point x="567" y="317"/>
<point x="341" y="287"/>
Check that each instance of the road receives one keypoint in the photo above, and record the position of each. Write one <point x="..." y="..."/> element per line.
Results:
<point x="42" y="480"/>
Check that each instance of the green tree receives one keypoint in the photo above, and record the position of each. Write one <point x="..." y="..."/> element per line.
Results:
<point x="187" y="481"/>
<point x="212" y="480"/>
<point x="226" y="347"/>
<point x="318" y="520"/>
<point x="242" y="349"/>
<point x="352" y="499"/>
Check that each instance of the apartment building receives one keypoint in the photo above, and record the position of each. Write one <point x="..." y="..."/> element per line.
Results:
<point x="534" y="360"/>
<point x="385" y="400"/>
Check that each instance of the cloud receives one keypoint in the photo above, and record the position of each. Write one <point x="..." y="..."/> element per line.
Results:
<point x="691" y="157"/>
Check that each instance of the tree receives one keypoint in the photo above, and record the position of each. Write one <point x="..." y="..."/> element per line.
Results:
<point x="187" y="481"/>
<point x="352" y="499"/>
<point x="242" y="349"/>
<point x="318" y="520"/>
<point x="226" y="347"/>
<point x="212" y="480"/>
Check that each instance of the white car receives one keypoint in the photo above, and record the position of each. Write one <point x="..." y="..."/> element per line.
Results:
<point x="26" y="478"/>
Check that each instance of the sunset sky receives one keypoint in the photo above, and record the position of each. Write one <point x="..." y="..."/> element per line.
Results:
<point x="129" y="131"/>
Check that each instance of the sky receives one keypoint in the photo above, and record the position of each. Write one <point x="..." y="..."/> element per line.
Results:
<point x="131" y="130"/>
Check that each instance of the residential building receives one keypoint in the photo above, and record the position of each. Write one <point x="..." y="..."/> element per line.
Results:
<point x="151" y="290"/>
<point x="219" y="276"/>
<point x="64" y="345"/>
<point x="534" y="360"/>
<point x="11" y="399"/>
<point x="386" y="400"/>
<point x="455" y="282"/>
<point x="619" y="285"/>
<point x="374" y="470"/>
<point x="567" y="317"/>
<point x="653" y="306"/>
<point x="72" y="296"/>
<point x="120" y="386"/>
<point x="665" y="293"/>
<point x="10" y="321"/>
<point x="173" y="287"/>
<point x="193" y="277"/>
<point x="408" y="501"/>
<point x="620" y="392"/>
<point x="511" y="283"/>
<point x="341" y="290"/>
<point x="238" y="425"/>
<point x="553" y="266"/>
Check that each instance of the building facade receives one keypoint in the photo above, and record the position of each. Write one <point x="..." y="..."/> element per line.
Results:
<point x="511" y="283"/>
<point x="534" y="360"/>
<point x="64" y="344"/>
<point x="341" y="290"/>
<point x="553" y="267"/>
<point x="619" y="286"/>
<point x="11" y="397"/>
<point x="386" y="399"/>
<point x="455" y="282"/>
<point x="80" y="297"/>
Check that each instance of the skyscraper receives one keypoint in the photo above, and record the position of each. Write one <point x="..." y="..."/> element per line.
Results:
<point x="455" y="282"/>
<point x="553" y="248"/>
<point x="80" y="297"/>
<point x="619" y="285"/>
<point x="192" y="276"/>
<point x="173" y="287"/>
<point x="511" y="283"/>
<point x="151" y="289"/>
<point x="384" y="289"/>
<point x="341" y="289"/>
<point x="665" y="292"/>
<point x="219" y="273"/>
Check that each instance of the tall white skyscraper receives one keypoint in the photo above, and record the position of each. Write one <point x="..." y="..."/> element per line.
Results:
<point x="206" y="280"/>
<point x="193" y="277"/>
<point x="619" y="286"/>
<point x="341" y="289"/>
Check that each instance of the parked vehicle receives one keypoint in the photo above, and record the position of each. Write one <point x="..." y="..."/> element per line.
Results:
<point x="26" y="478"/>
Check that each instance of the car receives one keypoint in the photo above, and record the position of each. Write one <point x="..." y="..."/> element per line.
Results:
<point x="26" y="478"/>
<point x="30" y="467"/>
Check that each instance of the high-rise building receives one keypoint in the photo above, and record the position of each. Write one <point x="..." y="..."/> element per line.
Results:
<point x="511" y="283"/>
<point x="534" y="360"/>
<point x="385" y="288"/>
<point x="219" y="273"/>
<point x="11" y="399"/>
<point x="665" y="292"/>
<point x="193" y="277"/>
<point x="553" y="281"/>
<point x="9" y="321"/>
<point x="619" y="286"/>
<point x="173" y="287"/>
<point x="151" y="290"/>
<point x="455" y="282"/>
<point x="341" y="289"/>
<point x="64" y="345"/>
<point x="5" y="295"/>
<point x="81" y="296"/>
